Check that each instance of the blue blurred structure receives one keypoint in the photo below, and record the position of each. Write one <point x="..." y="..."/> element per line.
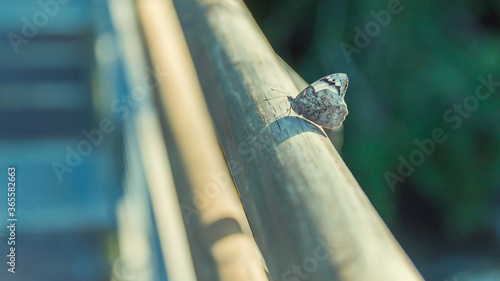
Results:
<point x="55" y="95"/>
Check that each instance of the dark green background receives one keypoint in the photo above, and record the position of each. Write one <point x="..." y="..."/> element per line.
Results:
<point x="425" y="62"/>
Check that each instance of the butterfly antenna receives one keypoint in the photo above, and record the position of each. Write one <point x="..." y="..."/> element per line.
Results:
<point x="266" y="99"/>
<point x="288" y="111"/>
<point x="277" y="97"/>
<point x="279" y="91"/>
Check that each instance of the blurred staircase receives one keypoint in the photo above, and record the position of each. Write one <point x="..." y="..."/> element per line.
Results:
<point x="48" y="96"/>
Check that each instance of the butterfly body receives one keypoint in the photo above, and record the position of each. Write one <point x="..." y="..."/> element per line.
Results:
<point x="322" y="102"/>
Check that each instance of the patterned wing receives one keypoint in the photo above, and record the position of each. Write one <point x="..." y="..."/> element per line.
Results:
<point x="333" y="82"/>
<point x="305" y="100"/>
<point x="330" y="112"/>
<point x="322" y="102"/>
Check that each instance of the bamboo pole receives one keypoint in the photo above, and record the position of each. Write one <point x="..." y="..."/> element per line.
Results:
<point x="146" y="149"/>
<point x="221" y="243"/>
<point x="309" y="215"/>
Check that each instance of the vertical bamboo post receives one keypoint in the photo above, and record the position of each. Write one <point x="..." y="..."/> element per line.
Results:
<point x="222" y="239"/>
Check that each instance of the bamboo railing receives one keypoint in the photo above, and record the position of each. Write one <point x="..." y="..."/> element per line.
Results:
<point x="309" y="216"/>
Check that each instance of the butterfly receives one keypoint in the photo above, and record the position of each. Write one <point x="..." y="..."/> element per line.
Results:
<point x="322" y="102"/>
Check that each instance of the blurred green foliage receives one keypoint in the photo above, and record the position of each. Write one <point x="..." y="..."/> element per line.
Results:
<point x="413" y="70"/>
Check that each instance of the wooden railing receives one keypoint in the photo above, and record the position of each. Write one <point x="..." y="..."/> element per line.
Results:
<point x="309" y="216"/>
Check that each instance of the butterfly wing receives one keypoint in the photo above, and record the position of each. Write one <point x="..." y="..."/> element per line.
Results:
<point x="322" y="102"/>
<point x="328" y="110"/>
<point x="337" y="81"/>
